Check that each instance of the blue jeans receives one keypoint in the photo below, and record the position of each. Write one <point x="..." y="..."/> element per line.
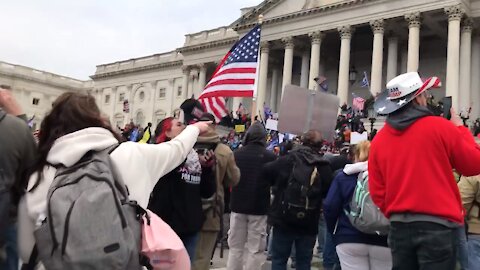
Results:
<point x="282" y="245"/>
<point x="474" y="249"/>
<point x="462" y="248"/>
<point x="330" y="257"/>
<point x="11" y="263"/>
<point x="321" y="234"/>
<point x="190" y="242"/>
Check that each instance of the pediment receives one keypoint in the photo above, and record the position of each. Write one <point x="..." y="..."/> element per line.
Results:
<point x="274" y="9"/>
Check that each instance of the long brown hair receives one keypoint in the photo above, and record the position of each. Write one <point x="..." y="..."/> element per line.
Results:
<point x="70" y="112"/>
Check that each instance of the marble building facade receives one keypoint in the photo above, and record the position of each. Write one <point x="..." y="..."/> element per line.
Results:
<point x="305" y="39"/>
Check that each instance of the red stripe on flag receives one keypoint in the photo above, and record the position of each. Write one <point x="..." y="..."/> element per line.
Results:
<point x="228" y="93"/>
<point x="221" y="103"/>
<point x="231" y="81"/>
<point x="214" y="109"/>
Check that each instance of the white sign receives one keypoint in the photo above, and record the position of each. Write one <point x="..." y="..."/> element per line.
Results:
<point x="356" y="137"/>
<point x="272" y="124"/>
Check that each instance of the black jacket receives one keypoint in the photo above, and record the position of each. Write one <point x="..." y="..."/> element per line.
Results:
<point x="252" y="194"/>
<point x="176" y="198"/>
<point x="279" y="172"/>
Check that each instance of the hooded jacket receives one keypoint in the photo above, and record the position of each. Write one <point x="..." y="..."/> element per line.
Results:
<point x="278" y="173"/>
<point x="177" y="196"/>
<point x="141" y="165"/>
<point x="338" y="199"/>
<point x="410" y="167"/>
<point x="227" y="175"/>
<point x="252" y="194"/>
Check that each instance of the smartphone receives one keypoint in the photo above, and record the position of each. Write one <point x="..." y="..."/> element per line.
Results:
<point x="447" y="105"/>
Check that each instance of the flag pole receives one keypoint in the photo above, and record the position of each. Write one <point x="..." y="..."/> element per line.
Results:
<point x="254" y="100"/>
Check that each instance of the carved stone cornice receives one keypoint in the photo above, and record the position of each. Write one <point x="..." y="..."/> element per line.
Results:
<point x="249" y="20"/>
<point x="345" y="32"/>
<point x="455" y="13"/>
<point x="467" y="25"/>
<point x="413" y="19"/>
<point x="49" y="83"/>
<point x="377" y="26"/>
<point x="316" y="37"/>
<point x="208" y="45"/>
<point x="289" y="42"/>
<point x="202" y="66"/>
<point x="137" y="69"/>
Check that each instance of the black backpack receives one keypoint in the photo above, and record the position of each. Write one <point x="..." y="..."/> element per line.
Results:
<point x="301" y="198"/>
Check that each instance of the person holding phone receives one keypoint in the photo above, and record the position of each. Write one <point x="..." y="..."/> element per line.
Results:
<point x="410" y="174"/>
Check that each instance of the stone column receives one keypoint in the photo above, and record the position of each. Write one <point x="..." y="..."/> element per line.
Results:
<point x="392" y="58"/>
<point x="346" y="36"/>
<point x="288" y="62"/>
<point x="202" y="79"/>
<point x="403" y="59"/>
<point x="192" y="86"/>
<point x="262" y="84"/>
<point x="235" y="104"/>
<point x="413" y="41"/>
<point x="465" y="64"/>
<point x="475" y="86"/>
<point x="186" y="71"/>
<point x="274" y="90"/>
<point x="455" y="14"/>
<point x="377" y="57"/>
<point x="305" y="69"/>
<point x="315" y="58"/>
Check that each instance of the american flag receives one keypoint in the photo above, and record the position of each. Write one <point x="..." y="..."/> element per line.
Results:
<point x="235" y="75"/>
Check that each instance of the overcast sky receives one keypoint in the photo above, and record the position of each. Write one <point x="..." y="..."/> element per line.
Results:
<point x="70" y="37"/>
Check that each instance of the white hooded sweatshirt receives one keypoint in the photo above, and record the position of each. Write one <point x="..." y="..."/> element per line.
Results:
<point x="141" y="166"/>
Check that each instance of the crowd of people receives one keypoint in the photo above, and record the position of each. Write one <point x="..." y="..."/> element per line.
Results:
<point x="77" y="197"/>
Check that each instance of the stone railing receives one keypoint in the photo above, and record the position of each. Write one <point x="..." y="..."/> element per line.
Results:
<point x="209" y="35"/>
<point x="151" y="60"/>
<point x="39" y="76"/>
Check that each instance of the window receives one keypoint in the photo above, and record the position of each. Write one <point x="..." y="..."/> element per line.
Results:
<point x="35" y="101"/>
<point x="179" y="91"/>
<point x="142" y="95"/>
<point x="121" y="97"/>
<point x="107" y="99"/>
<point x="162" y="93"/>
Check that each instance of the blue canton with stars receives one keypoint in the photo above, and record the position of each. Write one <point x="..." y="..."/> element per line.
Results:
<point x="246" y="49"/>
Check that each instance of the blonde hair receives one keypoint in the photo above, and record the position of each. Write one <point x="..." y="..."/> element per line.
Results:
<point x="362" y="150"/>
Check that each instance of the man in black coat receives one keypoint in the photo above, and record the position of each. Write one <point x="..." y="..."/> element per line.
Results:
<point x="249" y="202"/>
<point x="301" y="180"/>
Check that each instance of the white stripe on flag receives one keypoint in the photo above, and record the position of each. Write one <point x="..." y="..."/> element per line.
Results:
<point x="236" y="87"/>
<point x="233" y="76"/>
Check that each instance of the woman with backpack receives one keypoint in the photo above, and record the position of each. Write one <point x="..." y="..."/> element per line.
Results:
<point x="71" y="133"/>
<point x="177" y="196"/>
<point x="356" y="250"/>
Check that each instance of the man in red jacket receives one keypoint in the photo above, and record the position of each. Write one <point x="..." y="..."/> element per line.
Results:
<point x="410" y="174"/>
